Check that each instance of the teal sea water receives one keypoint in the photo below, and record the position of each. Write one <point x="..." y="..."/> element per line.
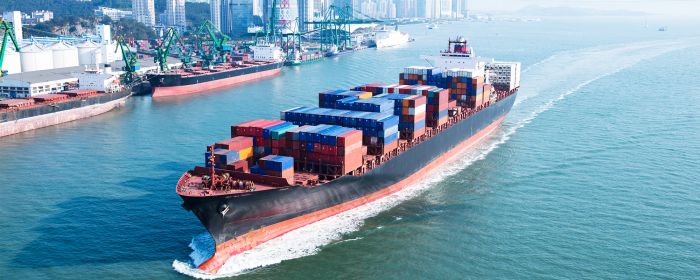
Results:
<point x="594" y="174"/>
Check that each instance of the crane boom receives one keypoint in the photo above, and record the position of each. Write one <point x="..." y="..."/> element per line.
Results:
<point x="162" y="52"/>
<point x="8" y="32"/>
<point x="130" y="62"/>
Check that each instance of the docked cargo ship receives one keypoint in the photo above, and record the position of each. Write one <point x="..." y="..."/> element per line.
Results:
<point x="357" y="146"/>
<point x="267" y="61"/>
<point x="98" y="93"/>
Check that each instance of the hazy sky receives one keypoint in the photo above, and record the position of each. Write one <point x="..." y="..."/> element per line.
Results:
<point x="663" y="7"/>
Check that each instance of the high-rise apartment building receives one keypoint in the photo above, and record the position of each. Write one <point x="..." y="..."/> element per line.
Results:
<point x="215" y="12"/>
<point x="175" y="13"/>
<point x="306" y="13"/>
<point x="144" y="11"/>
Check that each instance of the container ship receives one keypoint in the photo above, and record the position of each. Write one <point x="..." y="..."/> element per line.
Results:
<point x="267" y="61"/>
<point x="97" y="93"/>
<point x="356" y="146"/>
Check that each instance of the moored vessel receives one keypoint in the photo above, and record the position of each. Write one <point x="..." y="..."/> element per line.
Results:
<point x="267" y="61"/>
<point x="97" y="93"/>
<point x="357" y="146"/>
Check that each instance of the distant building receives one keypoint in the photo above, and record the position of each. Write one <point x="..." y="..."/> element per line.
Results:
<point x="237" y="16"/>
<point x="144" y="11"/>
<point x="175" y="13"/>
<point x="41" y="16"/>
<point x="306" y="13"/>
<point x="112" y="13"/>
<point x="215" y="11"/>
<point x="15" y="17"/>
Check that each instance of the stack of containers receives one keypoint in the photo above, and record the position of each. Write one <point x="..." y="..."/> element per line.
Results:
<point x="376" y="89"/>
<point x="380" y="130"/>
<point x="231" y="153"/>
<point x="274" y="165"/>
<point x="255" y="129"/>
<point x="329" y="99"/>
<point x="274" y="137"/>
<point x="420" y="75"/>
<point x="367" y="105"/>
<point x="467" y="86"/>
<point x="437" y="99"/>
<point x="336" y="150"/>
<point x="411" y="112"/>
<point x="436" y="109"/>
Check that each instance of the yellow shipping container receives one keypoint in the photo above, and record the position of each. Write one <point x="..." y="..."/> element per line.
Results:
<point x="364" y="95"/>
<point x="245" y="153"/>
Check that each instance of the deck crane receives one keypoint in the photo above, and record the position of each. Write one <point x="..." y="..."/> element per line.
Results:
<point x="7" y="32"/>
<point x="130" y="61"/>
<point x="163" y="49"/>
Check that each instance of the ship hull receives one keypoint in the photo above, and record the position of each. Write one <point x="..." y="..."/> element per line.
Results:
<point x="174" y="85"/>
<point x="254" y="218"/>
<point x="13" y="122"/>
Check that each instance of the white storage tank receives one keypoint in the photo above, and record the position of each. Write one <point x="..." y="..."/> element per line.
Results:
<point x="64" y="55"/>
<point x="35" y="57"/>
<point x="86" y="52"/>
<point x="12" y="63"/>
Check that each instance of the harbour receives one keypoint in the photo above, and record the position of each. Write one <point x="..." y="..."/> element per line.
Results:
<point x="501" y="202"/>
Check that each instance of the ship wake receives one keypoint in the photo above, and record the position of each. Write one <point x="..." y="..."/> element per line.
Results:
<point x="546" y="83"/>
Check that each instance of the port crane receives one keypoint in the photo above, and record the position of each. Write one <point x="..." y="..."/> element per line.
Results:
<point x="218" y="50"/>
<point x="7" y="33"/>
<point x="162" y="49"/>
<point x="335" y="27"/>
<point x="130" y="61"/>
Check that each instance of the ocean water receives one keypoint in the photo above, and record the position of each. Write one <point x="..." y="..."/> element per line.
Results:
<point x="593" y="174"/>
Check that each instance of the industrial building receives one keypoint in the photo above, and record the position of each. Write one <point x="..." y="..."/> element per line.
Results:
<point x="29" y="84"/>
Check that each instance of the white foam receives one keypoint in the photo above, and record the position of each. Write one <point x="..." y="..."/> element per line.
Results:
<point x="550" y="80"/>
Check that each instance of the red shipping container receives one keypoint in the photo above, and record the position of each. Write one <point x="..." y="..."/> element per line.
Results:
<point x="349" y="138"/>
<point x="236" y="143"/>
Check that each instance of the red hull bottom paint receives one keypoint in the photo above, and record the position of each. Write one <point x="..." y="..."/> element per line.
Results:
<point x="254" y="238"/>
<point x="200" y="87"/>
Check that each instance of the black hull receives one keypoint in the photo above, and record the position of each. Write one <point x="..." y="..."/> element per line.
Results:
<point x="8" y="116"/>
<point x="174" y="80"/>
<point x="250" y="211"/>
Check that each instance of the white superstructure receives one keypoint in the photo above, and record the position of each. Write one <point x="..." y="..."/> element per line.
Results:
<point x="389" y="38"/>
<point x="267" y="53"/>
<point x="461" y="60"/>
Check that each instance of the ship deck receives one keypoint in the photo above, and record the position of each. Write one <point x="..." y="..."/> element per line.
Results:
<point x="199" y="71"/>
<point x="18" y="104"/>
<point x="192" y="184"/>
